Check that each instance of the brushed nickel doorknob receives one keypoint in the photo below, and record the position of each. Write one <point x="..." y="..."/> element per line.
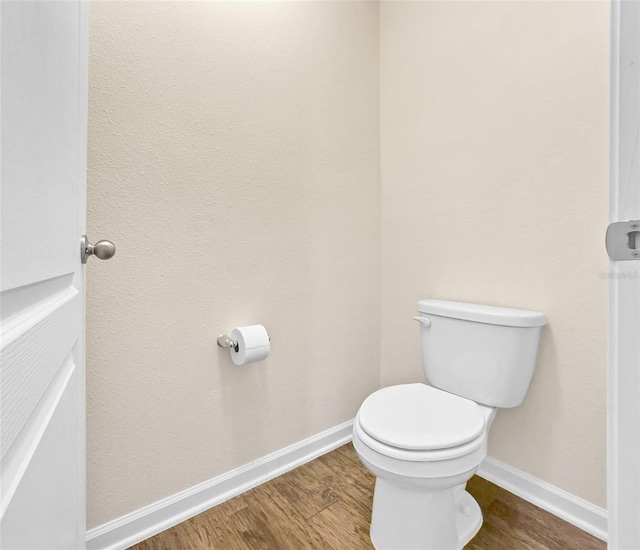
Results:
<point x="103" y="250"/>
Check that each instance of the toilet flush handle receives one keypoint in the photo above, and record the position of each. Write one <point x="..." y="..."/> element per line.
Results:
<point x="423" y="320"/>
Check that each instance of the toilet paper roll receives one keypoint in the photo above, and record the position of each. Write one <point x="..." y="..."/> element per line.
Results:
<point x="253" y="344"/>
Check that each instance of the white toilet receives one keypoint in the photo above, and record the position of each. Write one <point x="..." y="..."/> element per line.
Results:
<point x="423" y="443"/>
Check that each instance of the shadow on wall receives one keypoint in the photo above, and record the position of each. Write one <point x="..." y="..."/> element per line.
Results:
<point x="254" y="427"/>
<point x="243" y="384"/>
<point x="520" y="419"/>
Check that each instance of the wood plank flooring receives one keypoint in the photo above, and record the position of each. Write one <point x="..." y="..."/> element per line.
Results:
<point x="326" y="504"/>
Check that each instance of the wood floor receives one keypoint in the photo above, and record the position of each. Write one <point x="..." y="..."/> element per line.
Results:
<point x="326" y="504"/>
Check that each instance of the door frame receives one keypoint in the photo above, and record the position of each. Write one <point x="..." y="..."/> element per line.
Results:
<point x="83" y="131"/>
<point x="623" y="372"/>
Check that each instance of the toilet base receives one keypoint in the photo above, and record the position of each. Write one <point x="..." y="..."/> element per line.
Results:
<point x="468" y="519"/>
<point x="406" y="517"/>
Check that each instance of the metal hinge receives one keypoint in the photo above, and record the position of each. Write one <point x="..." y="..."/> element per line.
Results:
<point x="623" y="240"/>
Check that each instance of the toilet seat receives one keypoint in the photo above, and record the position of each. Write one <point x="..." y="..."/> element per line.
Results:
<point x="433" y="467"/>
<point x="435" y="455"/>
<point x="421" y="420"/>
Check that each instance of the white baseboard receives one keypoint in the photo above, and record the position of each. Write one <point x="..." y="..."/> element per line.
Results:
<point x="574" y="510"/>
<point x="151" y="520"/>
<point x="155" y="518"/>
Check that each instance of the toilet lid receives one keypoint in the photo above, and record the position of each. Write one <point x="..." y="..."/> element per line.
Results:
<point x="419" y="417"/>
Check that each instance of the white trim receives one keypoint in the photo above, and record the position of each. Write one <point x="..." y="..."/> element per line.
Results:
<point x="623" y="373"/>
<point x="612" y="340"/>
<point x="151" y="520"/>
<point x="159" y="516"/>
<point x="574" y="510"/>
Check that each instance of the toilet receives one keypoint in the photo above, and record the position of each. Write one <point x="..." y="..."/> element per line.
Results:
<point x="424" y="442"/>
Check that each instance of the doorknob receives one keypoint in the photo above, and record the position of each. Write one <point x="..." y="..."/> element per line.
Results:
<point x="103" y="250"/>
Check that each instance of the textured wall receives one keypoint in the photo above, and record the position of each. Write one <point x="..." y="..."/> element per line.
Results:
<point x="494" y="127"/>
<point x="234" y="160"/>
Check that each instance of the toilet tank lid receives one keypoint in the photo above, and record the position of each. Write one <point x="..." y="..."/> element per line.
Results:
<point x="483" y="314"/>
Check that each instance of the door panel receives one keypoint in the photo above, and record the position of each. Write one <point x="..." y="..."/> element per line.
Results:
<point x="43" y="511"/>
<point x="34" y="346"/>
<point x="40" y="139"/>
<point x="43" y="131"/>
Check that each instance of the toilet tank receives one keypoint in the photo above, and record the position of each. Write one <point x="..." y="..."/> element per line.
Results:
<point x="484" y="353"/>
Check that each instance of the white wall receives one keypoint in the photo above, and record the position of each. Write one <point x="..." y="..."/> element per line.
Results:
<point x="234" y="161"/>
<point x="494" y="128"/>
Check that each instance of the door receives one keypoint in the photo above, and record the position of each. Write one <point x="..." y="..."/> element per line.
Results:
<point x="43" y="186"/>
<point x="624" y="283"/>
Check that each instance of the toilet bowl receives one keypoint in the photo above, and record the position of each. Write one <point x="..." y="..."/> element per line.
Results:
<point x="422" y="466"/>
<point x="423" y="443"/>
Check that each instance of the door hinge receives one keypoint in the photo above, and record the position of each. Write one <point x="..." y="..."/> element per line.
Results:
<point x="623" y="240"/>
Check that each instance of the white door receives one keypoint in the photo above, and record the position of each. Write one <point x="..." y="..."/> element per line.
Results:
<point x="43" y="131"/>
<point x="624" y="284"/>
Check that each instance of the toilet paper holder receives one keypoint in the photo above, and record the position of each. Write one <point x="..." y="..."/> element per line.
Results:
<point x="225" y="341"/>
